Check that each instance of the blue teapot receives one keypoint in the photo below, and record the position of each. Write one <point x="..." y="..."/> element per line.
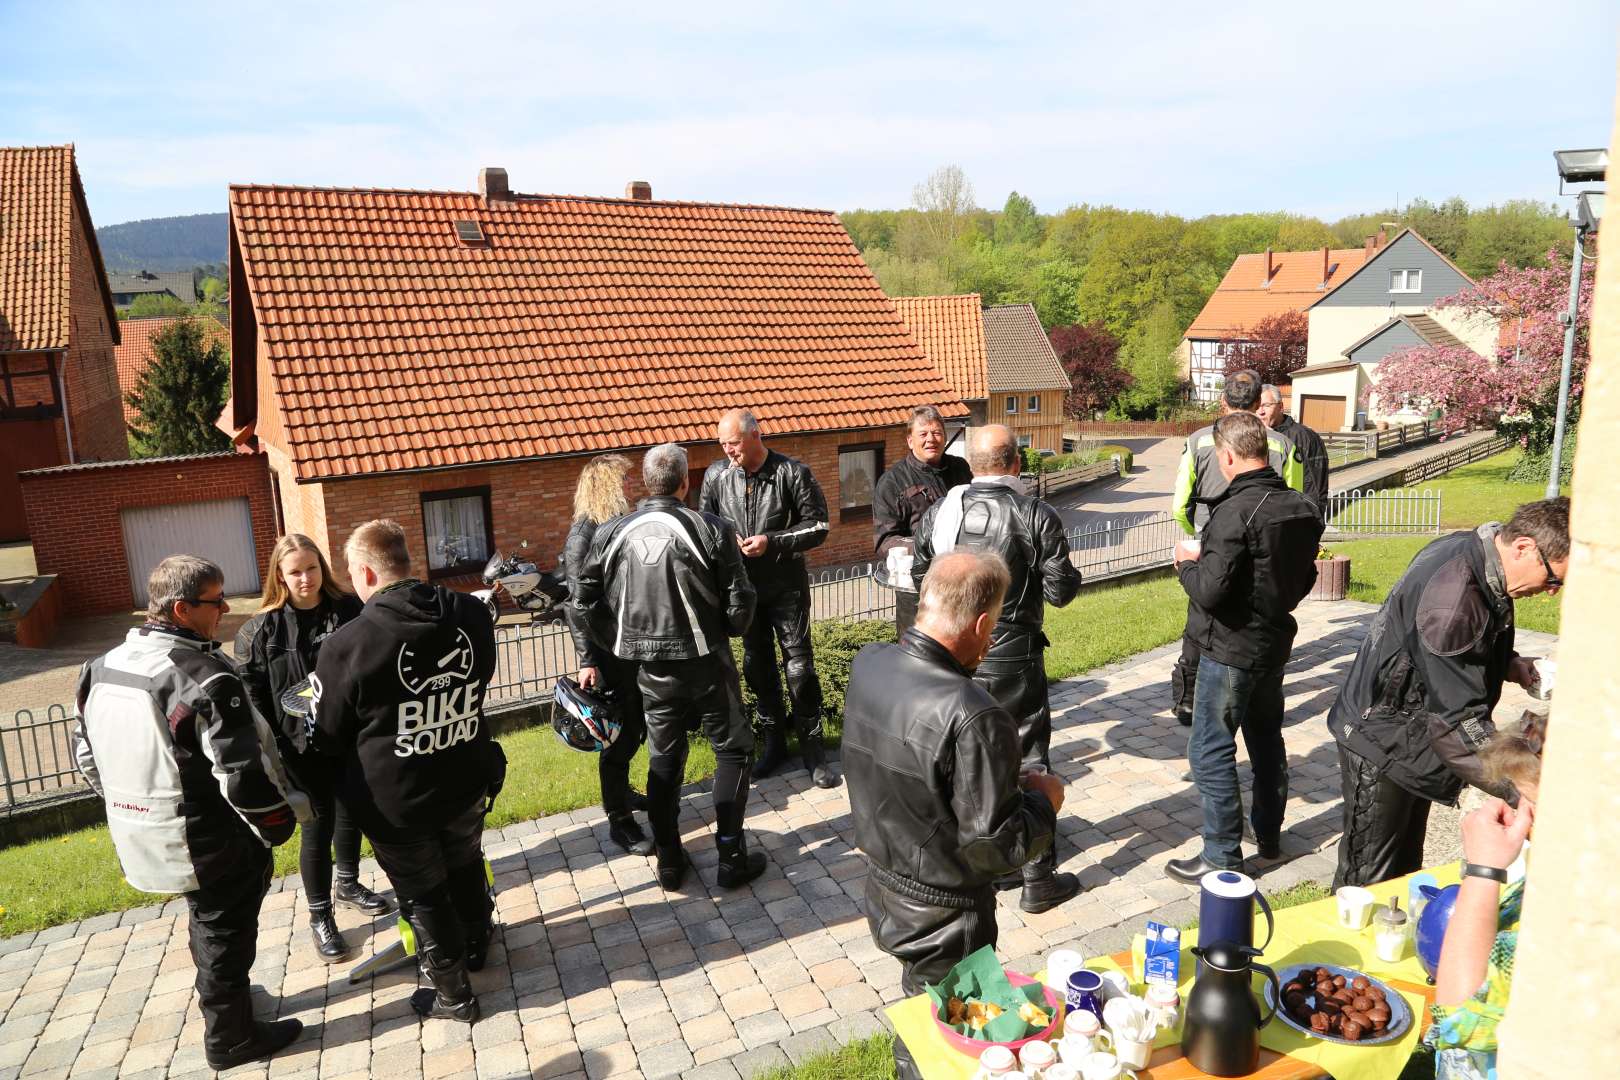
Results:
<point x="1431" y="925"/>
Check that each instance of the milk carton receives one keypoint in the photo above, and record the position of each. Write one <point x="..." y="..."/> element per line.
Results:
<point x="1161" y="964"/>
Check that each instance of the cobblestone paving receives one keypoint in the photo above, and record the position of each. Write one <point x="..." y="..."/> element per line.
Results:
<point x="600" y="973"/>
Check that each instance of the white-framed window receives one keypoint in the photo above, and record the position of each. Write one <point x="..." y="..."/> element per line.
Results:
<point x="1034" y="404"/>
<point x="1012" y="403"/>
<point x="1406" y="281"/>
<point x="1024" y="442"/>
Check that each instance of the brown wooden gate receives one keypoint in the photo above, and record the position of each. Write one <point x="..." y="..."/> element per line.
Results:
<point x="24" y="444"/>
<point x="1321" y="413"/>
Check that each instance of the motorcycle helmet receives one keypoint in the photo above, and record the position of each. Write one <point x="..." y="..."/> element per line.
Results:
<point x="584" y="720"/>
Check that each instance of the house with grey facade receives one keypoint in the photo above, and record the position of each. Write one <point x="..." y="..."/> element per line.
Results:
<point x="1386" y="305"/>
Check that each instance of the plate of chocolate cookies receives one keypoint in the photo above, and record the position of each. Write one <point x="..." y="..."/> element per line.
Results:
<point x="1341" y="1005"/>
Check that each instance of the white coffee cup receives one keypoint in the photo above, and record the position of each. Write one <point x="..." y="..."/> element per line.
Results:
<point x="1115" y="984"/>
<point x="1355" y="907"/>
<point x="1075" y="1048"/>
<point x="1104" y="1067"/>
<point x="995" y="1061"/>
<point x="1081" y="1022"/>
<point x="1060" y="964"/>
<point x="1546" y="674"/>
<point x="1036" y="1056"/>
<point x="1189" y="549"/>
<point x="1133" y="1052"/>
<point x="1063" y="1071"/>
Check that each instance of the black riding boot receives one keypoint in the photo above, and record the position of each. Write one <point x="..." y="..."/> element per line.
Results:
<point x="821" y="774"/>
<point x="775" y="749"/>
<point x="347" y="890"/>
<point x="439" y="949"/>
<point x="627" y="835"/>
<point x="329" y="941"/>
<point x="738" y="865"/>
<point x="475" y="908"/>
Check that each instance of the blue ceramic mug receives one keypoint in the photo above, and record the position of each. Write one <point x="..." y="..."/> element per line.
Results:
<point x="1085" y="991"/>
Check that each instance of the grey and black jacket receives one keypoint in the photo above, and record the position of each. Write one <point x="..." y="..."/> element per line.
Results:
<point x="662" y="583"/>
<point x="1418" y="699"/>
<point x="190" y="776"/>
<point x="932" y="763"/>
<point x="780" y="501"/>
<point x="1199" y="481"/>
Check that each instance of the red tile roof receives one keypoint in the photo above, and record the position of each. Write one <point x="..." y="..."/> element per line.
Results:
<point x="134" y="353"/>
<point x="950" y="330"/>
<point x="1243" y="298"/>
<point x="1021" y="355"/>
<point x="579" y="325"/>
<point x="36" y="232"/>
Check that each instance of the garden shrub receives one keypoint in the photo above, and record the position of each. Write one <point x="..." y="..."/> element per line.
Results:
<point x="835" y="644"/>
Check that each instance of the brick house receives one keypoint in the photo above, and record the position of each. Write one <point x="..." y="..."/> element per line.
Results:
<point x="451" y="359"/>
<point x="59" y="400"/>
<point x="998" y="360"/>
<point x="134" y="353"/>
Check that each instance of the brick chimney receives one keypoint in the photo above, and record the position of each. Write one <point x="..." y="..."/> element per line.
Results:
<point x="638" y="190"/>
<point x="1326" y="265"/>
<point x="1270" y="266"/>
<point x="1372" y="244"/>
<point x="492" y="184"/>
<point x="1383" y="237"/>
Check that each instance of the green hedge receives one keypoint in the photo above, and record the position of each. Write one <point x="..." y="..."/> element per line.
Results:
<point x="1125" y="457"/>
<point x="835" y="644"/>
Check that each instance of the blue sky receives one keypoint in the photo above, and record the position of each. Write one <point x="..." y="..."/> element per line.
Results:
<point x="1323" y="109"/>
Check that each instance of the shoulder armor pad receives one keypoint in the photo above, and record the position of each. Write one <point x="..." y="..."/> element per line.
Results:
<point x="1452" y="614"/>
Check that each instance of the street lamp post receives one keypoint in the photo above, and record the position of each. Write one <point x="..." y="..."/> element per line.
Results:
<point x="1575" y="167"/>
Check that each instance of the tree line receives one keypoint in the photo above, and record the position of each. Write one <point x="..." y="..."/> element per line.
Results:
<point x="1140" y="277"/>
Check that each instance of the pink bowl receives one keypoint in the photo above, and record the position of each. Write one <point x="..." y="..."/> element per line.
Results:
<point x="974" y="1047"/>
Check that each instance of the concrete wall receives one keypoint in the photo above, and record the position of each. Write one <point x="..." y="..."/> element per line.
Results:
<point x="1561" y="1020"/>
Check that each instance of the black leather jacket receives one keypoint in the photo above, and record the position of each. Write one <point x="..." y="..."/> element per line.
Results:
<point x="905" y="492"/>
<point x="273" y="656"/>
<point x="1027" y="534"/>
<point x="575" y="551"/>
<point x="1313" y="451"/>
<point x="781" y="501"/>
<point x="663" y="583"/>
<point x="1418" y="699"/>
<point x="932" y="763"/>
<point x="1257" y="563"/>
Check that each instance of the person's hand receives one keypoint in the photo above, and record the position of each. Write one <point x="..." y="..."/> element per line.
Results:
<point x="1494" y="834"/>
<point x="1048" y="785"/>
<point x="1187" y="551"/>
<point x="753" y="546"/>
<point x="1522" y="670"/>
<point x="588" y="677"/>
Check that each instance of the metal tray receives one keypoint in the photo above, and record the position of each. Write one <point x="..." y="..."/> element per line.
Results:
<point x="1400" y="1013"/>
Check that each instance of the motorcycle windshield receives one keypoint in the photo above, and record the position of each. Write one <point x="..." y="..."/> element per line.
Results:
<point x="492" y="569"/>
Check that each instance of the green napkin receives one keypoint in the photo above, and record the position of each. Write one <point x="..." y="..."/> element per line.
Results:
<point x="979" y="977"/>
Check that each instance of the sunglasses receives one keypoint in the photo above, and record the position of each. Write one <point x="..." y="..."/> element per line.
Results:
<point x="219" y="601"/>
<point x="1553" y="580"/>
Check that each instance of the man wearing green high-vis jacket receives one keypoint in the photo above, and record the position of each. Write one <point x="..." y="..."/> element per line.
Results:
<point x="1199" y="483"/>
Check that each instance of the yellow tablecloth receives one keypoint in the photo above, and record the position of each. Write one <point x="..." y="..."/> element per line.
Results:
<point x="1307" y="934"/>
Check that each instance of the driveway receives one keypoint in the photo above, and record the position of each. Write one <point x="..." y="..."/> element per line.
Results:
<point x="1145" y="492"/>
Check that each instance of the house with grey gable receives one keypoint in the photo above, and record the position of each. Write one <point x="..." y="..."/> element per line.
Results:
<point x="125" y="287"/>
<point x="1386" y="305"/>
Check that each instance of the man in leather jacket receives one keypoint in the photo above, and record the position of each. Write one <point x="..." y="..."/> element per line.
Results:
<point x="1415" y="709"/>
<point x="1312" y="451"/>
<point x="665" y="587"/>
<point x="907" y="489"/>
<point x="1256" y="562"/>
<point x="993" y="514"/>
<point x="935" y="789"/>
<point x="194" y="798"/>
<point x="399" y="697"/>
<point x="779" y="513"/>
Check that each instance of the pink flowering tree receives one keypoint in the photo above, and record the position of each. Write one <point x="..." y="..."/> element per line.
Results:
<point x="1516" y="390"/>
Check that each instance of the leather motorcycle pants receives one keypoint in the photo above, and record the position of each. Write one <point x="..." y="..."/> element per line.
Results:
<point x="613" y="764"/>
<point x="928" y="937"/>
<point x="782" y="618"/>
<point x="1384" y="825"/>
<point x="1014" y="672"/>
<point x="442" y="873"/>
<point x="680" y="696"/>
<point x="224" y="934"/>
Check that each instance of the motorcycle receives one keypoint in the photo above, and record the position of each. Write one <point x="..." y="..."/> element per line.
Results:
<point x="539" y="593"/>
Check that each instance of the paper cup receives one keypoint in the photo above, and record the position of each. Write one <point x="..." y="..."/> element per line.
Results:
<point x="1546" y="675"/>
<point x="1355" y="907"/>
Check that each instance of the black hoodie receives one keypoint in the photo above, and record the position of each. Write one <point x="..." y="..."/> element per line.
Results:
<point x="399" y="695"/>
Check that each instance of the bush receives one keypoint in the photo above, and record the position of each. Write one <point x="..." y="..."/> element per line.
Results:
<point x="1535" y="463"/>
<point x="1108" y="450"/>
<point x="835" y="644"/>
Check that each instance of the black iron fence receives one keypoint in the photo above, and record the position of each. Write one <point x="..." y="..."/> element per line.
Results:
<point x="36" y="759"/>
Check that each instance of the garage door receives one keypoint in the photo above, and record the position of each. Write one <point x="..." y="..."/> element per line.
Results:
<point x="220" y="531"/>
<point x="1320" y="413"/>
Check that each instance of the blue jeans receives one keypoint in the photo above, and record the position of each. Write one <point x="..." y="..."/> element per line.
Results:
<point x="1228" y="700"/>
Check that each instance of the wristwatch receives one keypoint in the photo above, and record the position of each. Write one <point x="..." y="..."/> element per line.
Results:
<point x="1495" y="874"/>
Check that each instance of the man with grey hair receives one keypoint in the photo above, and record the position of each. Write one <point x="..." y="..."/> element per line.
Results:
<point x="1312" y="451"/>
<point x="195" y="795"/>
<point x="664" y="587"/>
<point x="994" y="514"/>
<point x="779" y="513"/>
<point x="940" y="806"/>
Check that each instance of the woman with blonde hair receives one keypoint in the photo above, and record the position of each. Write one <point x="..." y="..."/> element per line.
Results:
<point x="599" y="497"/>
<point x="302" y="605"/>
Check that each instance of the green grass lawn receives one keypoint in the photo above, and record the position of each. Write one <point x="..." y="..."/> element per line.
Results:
<point x="1111" y="622"/>
<point x="1470" y="496"/>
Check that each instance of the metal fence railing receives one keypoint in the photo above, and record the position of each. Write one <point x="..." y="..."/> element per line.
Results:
<point x="1389" y="511"/>
<point x="1113" y="548"/>
<point x="1353" y="447"/>
<point x="36" y="758"/>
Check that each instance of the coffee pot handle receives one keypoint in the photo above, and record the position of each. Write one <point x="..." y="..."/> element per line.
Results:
<point x="1276" y="990"/>
<point x="1271" y="923"/>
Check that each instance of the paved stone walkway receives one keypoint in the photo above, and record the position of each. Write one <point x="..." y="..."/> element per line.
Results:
<point x="600" y="973"/>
